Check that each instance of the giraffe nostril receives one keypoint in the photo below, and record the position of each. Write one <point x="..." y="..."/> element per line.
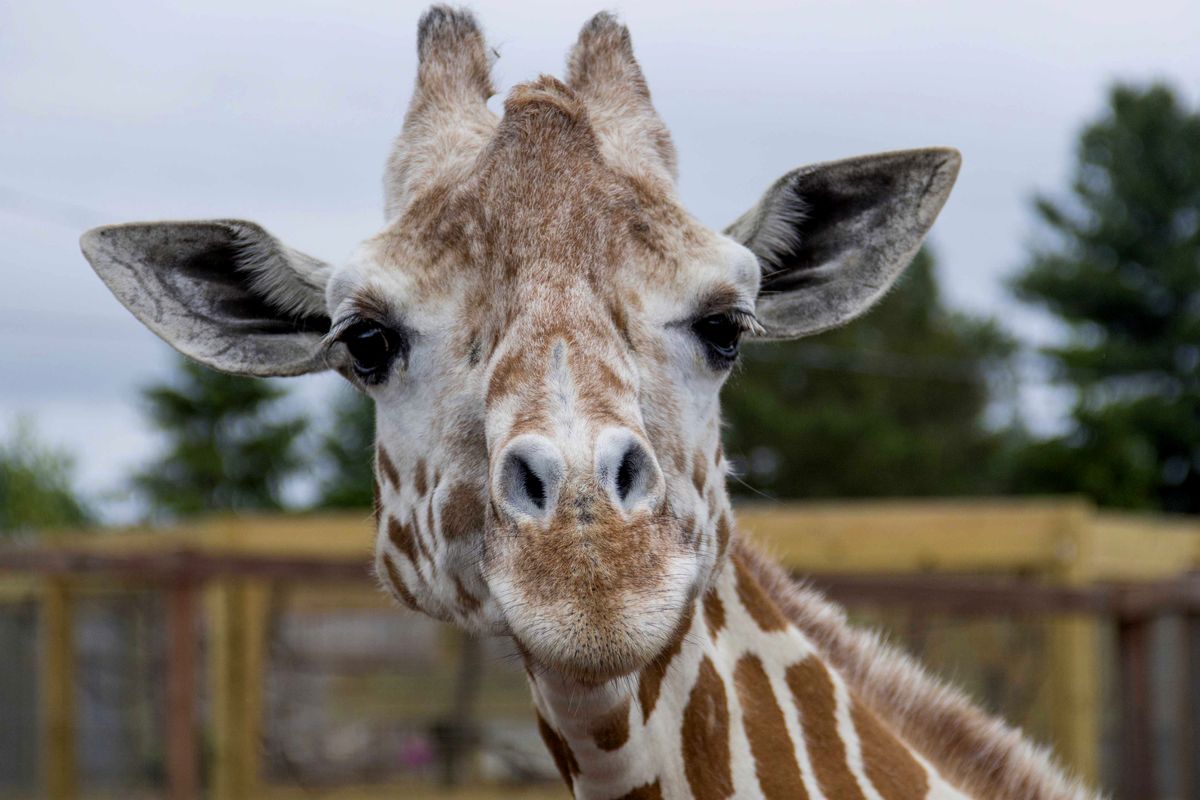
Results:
<point x="627" y="468"/>
<point x="531" y="472"/>
<point x="535" y="490"/>
<point x="627" y="472"/>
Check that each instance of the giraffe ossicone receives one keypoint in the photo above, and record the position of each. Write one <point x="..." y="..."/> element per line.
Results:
<point x="545" y="331"/>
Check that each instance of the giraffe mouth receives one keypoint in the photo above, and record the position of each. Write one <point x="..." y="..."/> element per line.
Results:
<point x="605" y="605"/>
<point x="590" y="648"/>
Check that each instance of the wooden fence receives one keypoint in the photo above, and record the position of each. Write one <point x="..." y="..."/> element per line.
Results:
<point x="1059" y="562"/>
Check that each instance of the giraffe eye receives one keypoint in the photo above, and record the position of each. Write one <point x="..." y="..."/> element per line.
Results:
<point x="720" y="334"/>
<point x="372" y="349"/>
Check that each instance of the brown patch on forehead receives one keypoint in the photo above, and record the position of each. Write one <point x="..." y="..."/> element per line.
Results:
<point x="540" y="201"/>
<point x="894" y="772"/>
<point x="462" y="512"/>
<point x="758" y="605"/>
<point x="707" y="760"/>
<point x="813" y="693"/>
<point x="772" y="748"/>
<point x="539" y="178"/>
<point x="611" y="730"/>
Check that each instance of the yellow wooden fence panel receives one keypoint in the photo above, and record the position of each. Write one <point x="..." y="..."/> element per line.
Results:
<point x="57" y="693"/>
<point x="237" y="618"/>
<point x="1061" y="541"/>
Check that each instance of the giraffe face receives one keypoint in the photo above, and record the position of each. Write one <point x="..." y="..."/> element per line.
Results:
<point x="549" y="460"/>
<point x="544" y="331"/>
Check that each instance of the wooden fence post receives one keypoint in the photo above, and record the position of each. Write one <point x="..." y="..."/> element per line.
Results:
<point x="237" y="632"/>
<point x="458" y="733"/>
<point x="183" y="779"/>
<point x="58" y="692"/>
<point x="1074" y="654"/>
<point x="1190" y="740"/>
<point x="1137" y="717"/>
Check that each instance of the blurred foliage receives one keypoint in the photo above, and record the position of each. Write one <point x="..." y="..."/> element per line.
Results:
<point x="1122" y="270"/>
<point x="346" y="453"/>
<point x="892" y="404"/>
<point x="229" y="445"/>
<point x="910" y="400"/>
<point x="36" y="488"/>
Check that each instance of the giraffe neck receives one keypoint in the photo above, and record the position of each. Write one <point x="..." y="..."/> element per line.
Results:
<point x="740" y="705"/>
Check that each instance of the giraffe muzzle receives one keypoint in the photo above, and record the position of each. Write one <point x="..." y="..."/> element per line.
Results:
<point x="534" y="478"/>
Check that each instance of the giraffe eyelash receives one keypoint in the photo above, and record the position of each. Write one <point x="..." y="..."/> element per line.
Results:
<point x="746" y="321"/>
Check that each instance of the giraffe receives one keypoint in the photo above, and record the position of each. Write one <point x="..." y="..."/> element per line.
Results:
<point x="544" y="331"/>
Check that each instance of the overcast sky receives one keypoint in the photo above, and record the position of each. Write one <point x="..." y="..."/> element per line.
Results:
<point x="282" y="112"/>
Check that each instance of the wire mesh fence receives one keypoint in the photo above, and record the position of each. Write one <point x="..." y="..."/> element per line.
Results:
<point x="254" y="659"/>
<point x="360" y="694"/>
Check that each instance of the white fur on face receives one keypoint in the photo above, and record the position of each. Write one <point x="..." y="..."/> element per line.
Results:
<point x="431" y="417"/>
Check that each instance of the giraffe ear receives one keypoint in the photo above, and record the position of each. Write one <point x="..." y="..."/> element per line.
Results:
<point x="832" y="238"/>
<point x="224" y="292"/>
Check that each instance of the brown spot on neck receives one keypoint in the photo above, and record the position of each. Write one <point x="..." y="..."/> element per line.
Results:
<point x="758" y="605"/>
<point x="651" y="678"/>
<point x="560" y="751"/>
<point x="813" y="693"/>
<point x="894" y="772"/>
<point x="650" y="791"/>
<point x="387" y="467"/>
<point x="707" y="760"/>
<point x="611" y="730"/>
<point x="714" y="612"/>
<point x="773" y="750"/>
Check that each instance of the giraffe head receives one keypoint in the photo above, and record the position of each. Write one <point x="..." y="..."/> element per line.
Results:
<point x="544" y="331"/>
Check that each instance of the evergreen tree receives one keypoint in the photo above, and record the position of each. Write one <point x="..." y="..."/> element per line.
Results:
<point x="36" y="488"/>
<point x="892" y="404"/>
<point x="346" y="453"/>
<point x="1121" y="267"/>
<point x="229" y="446"/>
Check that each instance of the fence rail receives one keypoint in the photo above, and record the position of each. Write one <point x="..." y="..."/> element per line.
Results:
<point x="1057" y="562"/>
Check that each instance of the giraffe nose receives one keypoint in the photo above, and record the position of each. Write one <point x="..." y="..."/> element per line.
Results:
<point x="531" y="474"/>
<point x="626" y="468"/>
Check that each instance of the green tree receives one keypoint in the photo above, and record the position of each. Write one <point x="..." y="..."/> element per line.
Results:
<point x="1121" y="268"/>
<point x="230" y="445"/>
<point x="346" y="452"/>
<point x="36" y="485"/>
<point x="893" y="404"/>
